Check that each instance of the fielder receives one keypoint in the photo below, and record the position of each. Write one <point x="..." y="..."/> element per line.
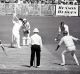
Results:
<point x="3" y="48"/>
<point x="15" y="31"/>
<point x="62" y="27"/>
<point x="70" y="47"/>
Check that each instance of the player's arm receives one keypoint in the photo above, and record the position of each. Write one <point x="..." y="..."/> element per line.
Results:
<point x="41" y="44"/>
<point x="59" y="30"/>
<point x="61" y="41"/>
<point x="57" y="47"/>
<point x="15" y="16"/>
<point x="28" y="24"/>
<point x="74" y="38"/>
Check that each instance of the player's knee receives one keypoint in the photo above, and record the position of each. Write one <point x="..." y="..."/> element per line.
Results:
<point x="72" y="53"/>
<point x="63" y="53"/>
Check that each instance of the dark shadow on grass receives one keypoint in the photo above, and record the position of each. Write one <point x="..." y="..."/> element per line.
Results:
<point x="71" y="64"/>
<point x="65" y="64"/>
<point x="26" y="66"/>
<point x="11" y="47"/>
<point x="56" y="63"/>
<point x="59" y="64"/>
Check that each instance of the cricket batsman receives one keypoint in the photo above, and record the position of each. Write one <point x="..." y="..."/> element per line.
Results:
<point x="16" y="29"/>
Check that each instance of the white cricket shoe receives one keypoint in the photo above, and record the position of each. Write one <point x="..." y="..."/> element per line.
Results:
<point x="62" y="64"/>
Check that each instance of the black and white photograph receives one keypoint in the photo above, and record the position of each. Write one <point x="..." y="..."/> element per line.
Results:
<point x="39" y="36"/>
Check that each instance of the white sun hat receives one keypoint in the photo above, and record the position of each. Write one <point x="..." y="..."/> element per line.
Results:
<point x="24" y="19"/>
<point x="35" y="30"/>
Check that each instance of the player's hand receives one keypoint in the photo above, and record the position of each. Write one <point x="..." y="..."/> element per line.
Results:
<point x="57" y="48"/>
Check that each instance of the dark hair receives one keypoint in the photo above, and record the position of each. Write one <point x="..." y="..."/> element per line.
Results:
<point x="65" y="33"/>
<point x="21" y="19"/>
<point x="61" y="23"/>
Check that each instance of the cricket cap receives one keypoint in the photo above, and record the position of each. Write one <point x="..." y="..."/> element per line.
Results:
<point x="35" y="30"/>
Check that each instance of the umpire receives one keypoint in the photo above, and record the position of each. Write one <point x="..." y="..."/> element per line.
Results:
<point x="36" y="45"/>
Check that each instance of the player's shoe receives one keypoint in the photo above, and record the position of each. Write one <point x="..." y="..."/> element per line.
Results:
<point x="38" y="66"/>
<point x="62" y="64"/>
<point x="77" y="64"/>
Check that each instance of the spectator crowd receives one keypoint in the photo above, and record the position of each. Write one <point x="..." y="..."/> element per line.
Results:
<point x="43" y="1"/>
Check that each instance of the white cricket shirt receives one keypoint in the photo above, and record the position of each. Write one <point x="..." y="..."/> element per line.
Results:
<point x="66" y="28"/>
<point x="68" y="40"/>
<point x="36" y="39"/>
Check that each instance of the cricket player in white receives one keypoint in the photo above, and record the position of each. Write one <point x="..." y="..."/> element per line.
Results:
<point x="62" y="27"/>
<point x="15" y="30"/>
<point x="70" y="47"/>
<point x="26" y="31"/>
<point x="27" y="27"/>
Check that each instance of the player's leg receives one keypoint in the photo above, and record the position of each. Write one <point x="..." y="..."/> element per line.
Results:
<point x="18" y="40"/>
<point x="38" y="56"/>
<point x="63" y="57"/>
<point x="32" y="55"/>
<point x="28" y="37"/>
<point x="75" y="58"/>
<point x="12" y="42"/>
<point x="28" y="34"/>
<point x="14" y="38"/>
